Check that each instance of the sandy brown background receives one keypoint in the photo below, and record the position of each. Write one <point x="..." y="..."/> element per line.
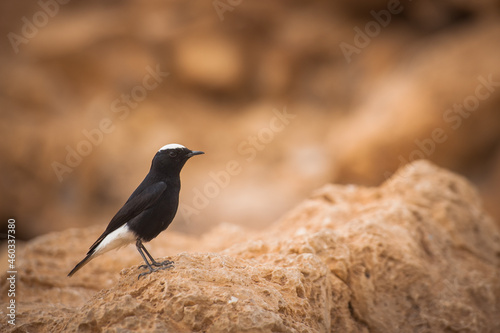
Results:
<point x="357" y="118"/>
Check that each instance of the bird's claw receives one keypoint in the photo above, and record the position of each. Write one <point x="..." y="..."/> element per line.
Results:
<point x="163" y="263"/>
<point x="168" y="263"/>
<point x="151" y="269"/>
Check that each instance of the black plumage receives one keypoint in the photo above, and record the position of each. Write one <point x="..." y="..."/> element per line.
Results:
<point x="148" y="211"/>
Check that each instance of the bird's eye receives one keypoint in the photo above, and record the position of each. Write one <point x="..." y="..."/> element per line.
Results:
<point x="172" y="154"/>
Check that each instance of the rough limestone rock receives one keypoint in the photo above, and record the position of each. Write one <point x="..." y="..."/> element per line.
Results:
<point x="417" y="254"/>
<point x="440" y="125"/>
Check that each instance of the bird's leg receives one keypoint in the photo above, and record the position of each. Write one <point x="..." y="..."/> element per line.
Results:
<point x="141" y="248"/>
<point x="153" y="261"/>
<point x="148" y="265"/>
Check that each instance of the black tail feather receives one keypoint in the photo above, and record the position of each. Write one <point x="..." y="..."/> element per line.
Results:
<point x="81" y="264"/>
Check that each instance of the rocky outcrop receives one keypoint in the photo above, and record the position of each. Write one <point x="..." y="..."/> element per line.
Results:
<point x="417" y="254"/>
<point x="431" y="114"/>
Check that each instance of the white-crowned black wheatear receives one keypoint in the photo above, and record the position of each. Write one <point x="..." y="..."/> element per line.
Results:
<point x="148" y="211"/>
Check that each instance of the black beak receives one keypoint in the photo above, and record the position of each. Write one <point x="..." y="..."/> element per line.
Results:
<point x="194" y="153"/>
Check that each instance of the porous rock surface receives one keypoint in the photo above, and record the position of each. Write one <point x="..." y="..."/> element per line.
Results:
<point x="417" y="254"/>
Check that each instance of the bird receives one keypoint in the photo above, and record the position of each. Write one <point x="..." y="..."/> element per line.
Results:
<point x="148" y="211"/>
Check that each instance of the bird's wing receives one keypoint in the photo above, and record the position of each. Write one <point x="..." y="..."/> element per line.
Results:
<point x="136" y="204"/>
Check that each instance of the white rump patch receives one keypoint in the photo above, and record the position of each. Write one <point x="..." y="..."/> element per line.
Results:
<point x="118" y="238"/>
<point x="172" y="146"/>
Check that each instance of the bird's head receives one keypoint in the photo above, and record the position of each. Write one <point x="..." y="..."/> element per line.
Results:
<point x="171" y="158"/>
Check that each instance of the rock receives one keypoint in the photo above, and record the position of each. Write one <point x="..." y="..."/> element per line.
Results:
<point x="444" y="12"/>
<point x="431" y="113"/>
<point x="415" y="254"/>
<point x="211" y="62"/>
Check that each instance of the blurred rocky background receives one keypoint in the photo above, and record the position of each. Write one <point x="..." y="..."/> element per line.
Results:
<point x="283" y="96"/>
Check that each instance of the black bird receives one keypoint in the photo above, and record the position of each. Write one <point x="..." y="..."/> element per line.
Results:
<point x="149" y="210"/>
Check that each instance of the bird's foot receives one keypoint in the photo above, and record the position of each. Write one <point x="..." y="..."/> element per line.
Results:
<point x="163" y="263"/>
<point x="151" y="269"/>
<point x="168" y="263"/>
